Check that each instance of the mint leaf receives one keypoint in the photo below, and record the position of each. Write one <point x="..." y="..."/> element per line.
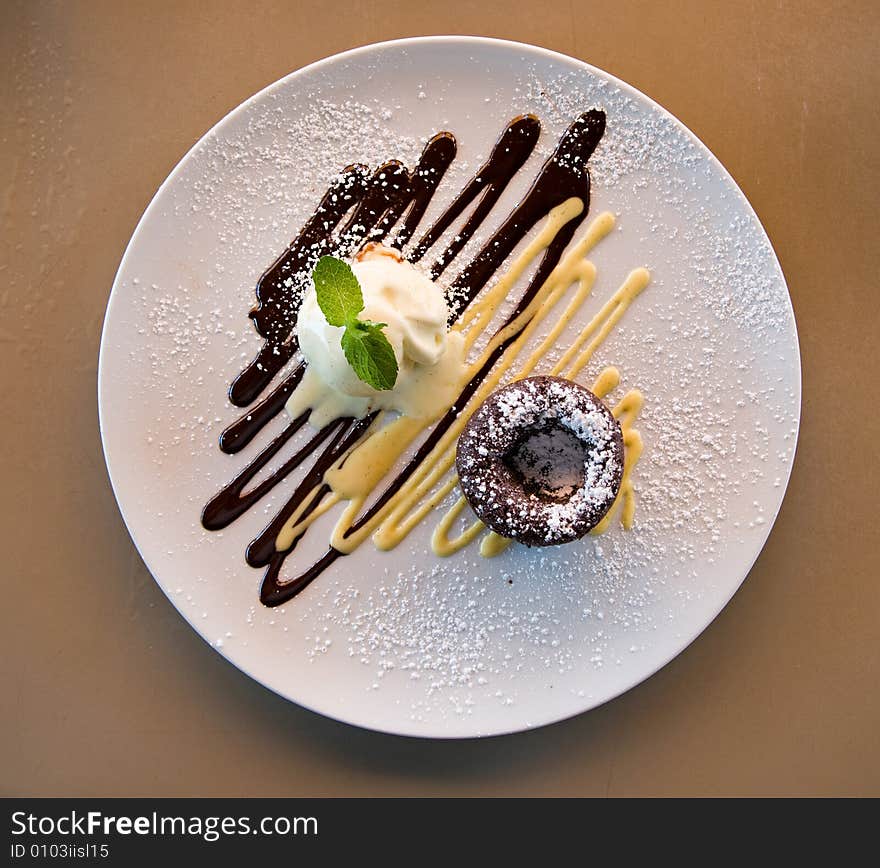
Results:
<point x="370" y="354"/>
<point x="339" y="293"/>
<point x="365" y="346"/>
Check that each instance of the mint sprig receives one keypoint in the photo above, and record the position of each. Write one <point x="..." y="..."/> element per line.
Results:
<point x="364" y="344"/>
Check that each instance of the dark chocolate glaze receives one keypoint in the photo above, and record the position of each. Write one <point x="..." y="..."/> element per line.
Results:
<point x="244" y="429"/>
<point x="346" y="433"/>
<point x="377" y="203"/>
<point x="231" y="501"/>
<point x="423" y="183"/>
<point x="563" y="175"/>
<point x="512" y="150"/>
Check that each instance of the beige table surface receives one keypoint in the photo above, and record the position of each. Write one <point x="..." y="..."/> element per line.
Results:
<point x="106" y="690"/>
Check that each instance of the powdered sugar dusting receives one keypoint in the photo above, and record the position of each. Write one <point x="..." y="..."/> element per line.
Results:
<point x="461" y="645"/>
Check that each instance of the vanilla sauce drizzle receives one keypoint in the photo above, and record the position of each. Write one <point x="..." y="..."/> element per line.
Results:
<point x="360" y="207"/>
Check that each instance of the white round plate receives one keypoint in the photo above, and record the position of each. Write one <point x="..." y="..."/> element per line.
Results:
<point x="402" y="641"/>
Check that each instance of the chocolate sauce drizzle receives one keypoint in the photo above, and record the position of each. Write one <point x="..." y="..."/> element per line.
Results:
<point x="377" y="203"/>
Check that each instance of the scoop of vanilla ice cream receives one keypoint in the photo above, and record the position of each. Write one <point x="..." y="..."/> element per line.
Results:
<point x="395" y="292"/>
<point x="414" y="309"/>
